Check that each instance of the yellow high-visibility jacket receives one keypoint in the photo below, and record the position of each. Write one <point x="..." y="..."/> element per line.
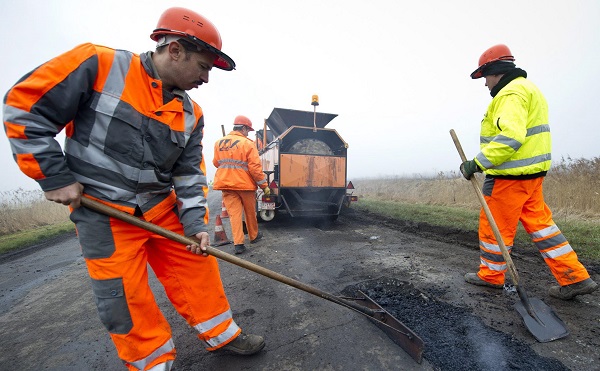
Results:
<point x="515" y="139"/>
<point x="238" y="164"/>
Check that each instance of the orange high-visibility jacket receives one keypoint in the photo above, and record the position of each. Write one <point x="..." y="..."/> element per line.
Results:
<point x="128" y="142"/>
<point x="238" y="164"/>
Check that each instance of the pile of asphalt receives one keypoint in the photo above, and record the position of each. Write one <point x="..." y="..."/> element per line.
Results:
<point x="454" y="338"/>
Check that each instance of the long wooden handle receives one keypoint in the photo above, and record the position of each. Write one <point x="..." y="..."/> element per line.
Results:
<point x="111" y="211"/>
<point x="488" y="213"/>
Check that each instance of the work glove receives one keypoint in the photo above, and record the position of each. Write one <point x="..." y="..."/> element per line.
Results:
<point x="468" y="168"/>
<point x="267" y="191"/>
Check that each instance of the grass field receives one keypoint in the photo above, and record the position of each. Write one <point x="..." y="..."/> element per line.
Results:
<point x="571" y="190"/>
<point x="26" y="218"/>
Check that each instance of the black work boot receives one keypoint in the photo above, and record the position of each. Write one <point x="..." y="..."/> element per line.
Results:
<point x="474" y="279"/>
<point x="246" y="344"/>
<point x="568" y="292"/>
<point x="258" y="237"/>
<point x="240" y="248"/>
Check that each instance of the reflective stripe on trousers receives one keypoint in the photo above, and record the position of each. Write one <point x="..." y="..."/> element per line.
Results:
<point x="117" y="255"/>
<point x="511" y="201"/>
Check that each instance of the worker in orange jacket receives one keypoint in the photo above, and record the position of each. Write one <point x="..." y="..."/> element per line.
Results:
<point x="239" y="173"/>
<point x="133" y="141"/>
<point x="515" y="155"/>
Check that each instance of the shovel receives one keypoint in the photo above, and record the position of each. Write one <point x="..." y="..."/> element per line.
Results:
<point x="396" y="330"/>
<point x="539" y="318"/>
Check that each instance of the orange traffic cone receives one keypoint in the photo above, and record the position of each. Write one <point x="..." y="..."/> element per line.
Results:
<point x="224" y="213"/>
<point x="220" y="236"/>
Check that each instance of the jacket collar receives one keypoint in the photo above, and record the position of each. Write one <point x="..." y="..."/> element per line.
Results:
<point x="150" y="68"/>
<point x="508" y="77"/>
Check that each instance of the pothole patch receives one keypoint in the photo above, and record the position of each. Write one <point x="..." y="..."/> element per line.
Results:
<point x="455" y="339"/>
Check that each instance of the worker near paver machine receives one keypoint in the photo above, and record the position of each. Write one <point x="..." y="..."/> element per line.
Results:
<point x="239" y="174"/>
<point x="133" y="141"/>
<point x="515" y="155"/>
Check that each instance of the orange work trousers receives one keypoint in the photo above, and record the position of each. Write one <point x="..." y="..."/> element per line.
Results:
<point x="117" y="256"/>
<point x="240" y="203"/>
<point x="511" y="201"/>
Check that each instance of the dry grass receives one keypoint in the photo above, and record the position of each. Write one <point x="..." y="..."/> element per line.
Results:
<point x="22" y="210"/>
<point x="571" y="189"/>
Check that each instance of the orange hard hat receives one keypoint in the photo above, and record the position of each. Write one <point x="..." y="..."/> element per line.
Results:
<point x="197" y="29"/>
<point x="243" y="120"/>
<point x="496" y="53"/>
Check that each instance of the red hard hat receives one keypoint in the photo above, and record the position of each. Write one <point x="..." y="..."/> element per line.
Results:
<point x="496" y="53"/>
<point x="243" y="120"/>
<point x="197" y="29"/>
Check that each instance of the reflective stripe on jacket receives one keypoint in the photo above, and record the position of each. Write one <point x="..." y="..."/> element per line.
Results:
<point x="238" y="164"/>
<point x="515" y="135"/>
<point x="128" y="142"/>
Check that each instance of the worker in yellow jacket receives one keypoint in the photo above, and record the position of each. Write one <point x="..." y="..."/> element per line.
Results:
<point x="133" y="141"/>
<point x="239" y="174"/>
<point x="515" y="155"/>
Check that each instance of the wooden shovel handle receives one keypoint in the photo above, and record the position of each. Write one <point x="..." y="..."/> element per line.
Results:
<point x="112" y="212"/>
<point x="488" y="213"/>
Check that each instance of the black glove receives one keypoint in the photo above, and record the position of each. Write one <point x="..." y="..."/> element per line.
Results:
<point x="468" y="168"/>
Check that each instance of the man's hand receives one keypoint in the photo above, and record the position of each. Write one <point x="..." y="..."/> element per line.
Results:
<point x="267" y="191"/>
<point x="468" y="168"/>
<point x="69" y="195"/>
<point x="200" y="247"/>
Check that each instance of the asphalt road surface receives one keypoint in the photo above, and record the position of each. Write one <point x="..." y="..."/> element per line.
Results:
<point x="49" y="320"/>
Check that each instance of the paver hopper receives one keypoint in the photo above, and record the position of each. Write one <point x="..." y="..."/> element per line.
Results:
<point x="306" y="166"/>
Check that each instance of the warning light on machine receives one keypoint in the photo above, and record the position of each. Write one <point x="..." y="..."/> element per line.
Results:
<point x="315" y="100"/>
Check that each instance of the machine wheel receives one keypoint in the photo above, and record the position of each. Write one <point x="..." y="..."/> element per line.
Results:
<point x="267" y="215"/>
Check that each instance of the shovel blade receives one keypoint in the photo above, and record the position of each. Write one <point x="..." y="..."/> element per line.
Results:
<point x="548" y="328"/>
<point x="398" y="332"/>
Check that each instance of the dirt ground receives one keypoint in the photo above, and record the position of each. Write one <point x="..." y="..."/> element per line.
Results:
<point x="412" y="270"/>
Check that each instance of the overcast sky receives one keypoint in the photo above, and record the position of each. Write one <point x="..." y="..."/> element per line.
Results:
<point x="396" y="72"/>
